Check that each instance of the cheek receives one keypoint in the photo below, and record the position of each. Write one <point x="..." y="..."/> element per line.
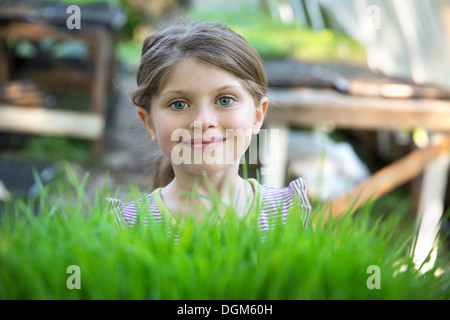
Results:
<point x="240" y="120"/>
<point x="165" y="125"/>
<point x="237" y="143"/>
<point x="164" y="134"/>
<point x="242" y="140"/>
<point x="241" y="126"/>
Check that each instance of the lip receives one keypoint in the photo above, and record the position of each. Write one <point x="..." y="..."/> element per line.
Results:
<point x="205" y="144"/>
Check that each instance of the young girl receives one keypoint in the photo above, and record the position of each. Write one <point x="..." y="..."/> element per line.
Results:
<point x="202" y="96"/>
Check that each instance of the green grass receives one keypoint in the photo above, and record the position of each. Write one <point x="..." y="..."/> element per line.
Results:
<point x="220" y="258"/>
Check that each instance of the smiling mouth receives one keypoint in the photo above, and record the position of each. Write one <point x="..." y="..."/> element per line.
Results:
<point x="205" y="144"/>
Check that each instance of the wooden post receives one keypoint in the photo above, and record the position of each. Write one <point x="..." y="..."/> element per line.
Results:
<point x="4" y="66"/>
<point x="101" y="46"/>
<point x="389" y="178"/>
<point x="431" y="208"/>
<point x="274" y="155"/>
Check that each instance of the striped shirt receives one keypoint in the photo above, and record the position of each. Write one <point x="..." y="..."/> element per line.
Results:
<point x="270" y="204"/>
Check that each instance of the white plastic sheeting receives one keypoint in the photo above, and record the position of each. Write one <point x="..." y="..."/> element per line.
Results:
<point x="406" y="38"/>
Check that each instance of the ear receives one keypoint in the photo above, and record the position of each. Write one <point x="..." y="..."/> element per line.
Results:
<point x="147" y="120"/>
<point x="260" y="113"/>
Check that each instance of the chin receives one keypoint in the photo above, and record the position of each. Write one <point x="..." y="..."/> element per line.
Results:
<point x="208" y="169"/>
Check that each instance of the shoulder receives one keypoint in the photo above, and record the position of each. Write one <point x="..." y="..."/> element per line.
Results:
<point x="129" y="212"/>
<point x="296" y="188"/>
<point x="282" y="199"/>
<point x="299" y="189"/>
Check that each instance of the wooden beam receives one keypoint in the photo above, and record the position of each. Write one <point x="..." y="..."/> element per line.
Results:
<point x="306" y="107"/>
<point x="388" y="178"/>
<point x="51" y="122"/>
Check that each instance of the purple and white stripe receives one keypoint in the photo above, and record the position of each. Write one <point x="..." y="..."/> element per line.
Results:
<point x="275" y="202"/>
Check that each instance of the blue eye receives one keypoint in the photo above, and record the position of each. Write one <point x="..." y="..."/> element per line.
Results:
<point x="179" y="105"/>
<point x="225" y="101"/>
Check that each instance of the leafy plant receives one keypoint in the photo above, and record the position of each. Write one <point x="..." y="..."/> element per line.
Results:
<point x="215" y="258"/>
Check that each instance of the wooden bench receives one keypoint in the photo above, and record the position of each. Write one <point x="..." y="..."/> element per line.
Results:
<point x="307" y="107"/>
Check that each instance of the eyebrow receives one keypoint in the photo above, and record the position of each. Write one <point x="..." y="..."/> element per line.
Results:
<point x="183" y="92"/>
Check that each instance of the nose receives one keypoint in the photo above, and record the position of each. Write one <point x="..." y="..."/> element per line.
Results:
<point x="203" y="119"/>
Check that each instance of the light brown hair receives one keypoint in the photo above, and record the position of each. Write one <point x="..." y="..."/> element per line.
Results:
<point x="211" y="43"/>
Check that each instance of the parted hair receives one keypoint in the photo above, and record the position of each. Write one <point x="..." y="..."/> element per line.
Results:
<point x="214" y="44"/>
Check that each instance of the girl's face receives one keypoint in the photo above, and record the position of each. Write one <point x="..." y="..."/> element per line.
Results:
<point x="203" y="118"/>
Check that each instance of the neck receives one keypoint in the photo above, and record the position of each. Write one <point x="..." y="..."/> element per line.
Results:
<point x="184" y="193"/>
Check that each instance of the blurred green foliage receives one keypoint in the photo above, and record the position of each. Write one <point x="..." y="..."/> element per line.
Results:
<point x="270" y="37"/>
<point x="129" y="53"/>
<point x="275" y="40"/>
<point x="58" y="149"/>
